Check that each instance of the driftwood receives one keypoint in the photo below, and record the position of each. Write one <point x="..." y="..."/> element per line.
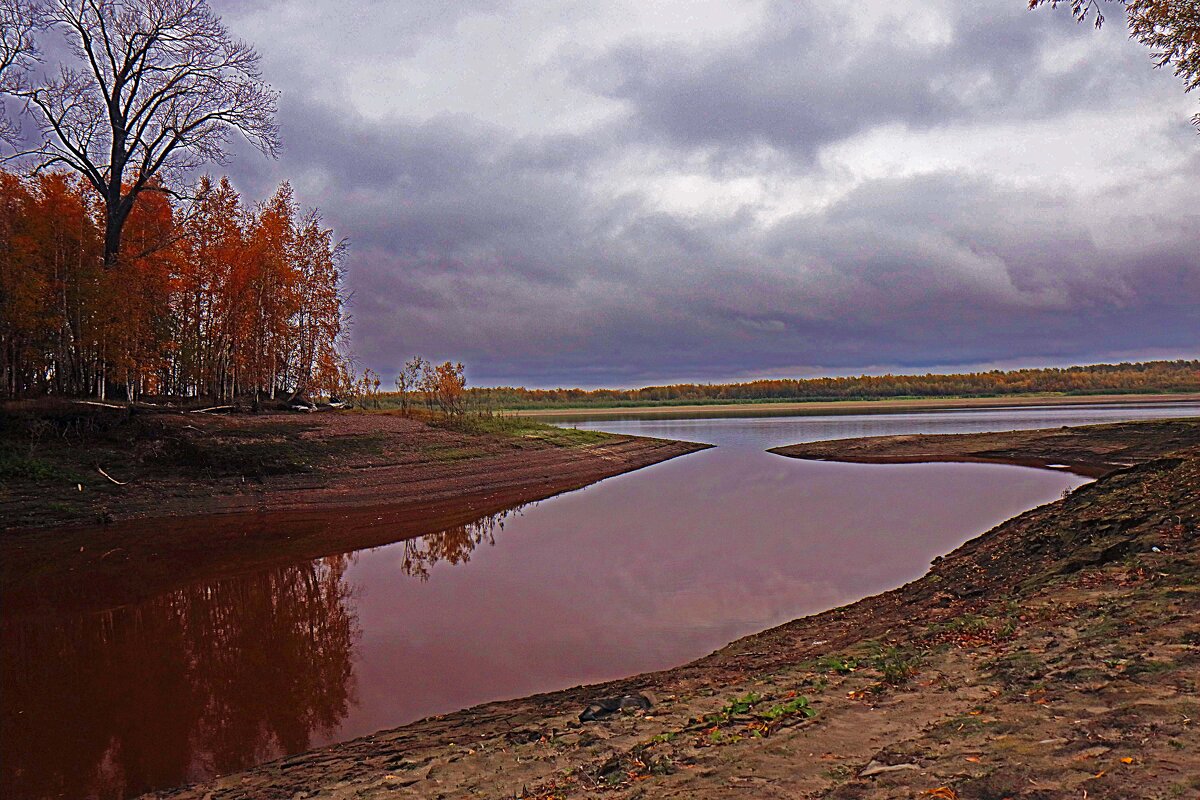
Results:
<point x="110" y="477"/>
<point x="102" y="405"/>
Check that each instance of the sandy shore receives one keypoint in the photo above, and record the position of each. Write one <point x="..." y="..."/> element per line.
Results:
<point x="856" y="406"/>
<point x="1053" y="656"/>
<point x="1092" y="450"/>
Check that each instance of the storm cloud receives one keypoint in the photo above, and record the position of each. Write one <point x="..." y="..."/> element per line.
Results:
<point x="628" y="194"/>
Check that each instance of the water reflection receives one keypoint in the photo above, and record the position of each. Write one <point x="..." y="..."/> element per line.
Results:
<point x="204" y="680"/>
<point x="451" y="546"/>
<point x="201" y="670"/>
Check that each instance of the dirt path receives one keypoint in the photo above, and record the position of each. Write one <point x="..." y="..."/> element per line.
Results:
<point x="1092" y="450"/>
<point x="1055" y="656"/>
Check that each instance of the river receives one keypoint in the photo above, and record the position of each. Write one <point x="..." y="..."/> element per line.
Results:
<point x="639" y="572"/>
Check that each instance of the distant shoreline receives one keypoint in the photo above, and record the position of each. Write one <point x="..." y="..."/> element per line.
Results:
<point x="856" y="406"/>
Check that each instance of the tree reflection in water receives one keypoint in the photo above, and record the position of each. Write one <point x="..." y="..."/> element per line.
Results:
<point x="454" y="545"/>
<point x="208" y="679"/>
<point x="203" y="680"/>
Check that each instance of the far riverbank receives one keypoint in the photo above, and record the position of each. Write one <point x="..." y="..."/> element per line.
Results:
<point x="899" y="405"/>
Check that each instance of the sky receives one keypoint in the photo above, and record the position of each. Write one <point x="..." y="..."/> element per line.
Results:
<point x="627" y="193"/>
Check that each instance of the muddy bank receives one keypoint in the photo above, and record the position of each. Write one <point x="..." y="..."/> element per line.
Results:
<point x="1092" y="450"/>
<point x="65" y="463"/>
<point x="332" y="483"/>
<point x="1054" y="655"/>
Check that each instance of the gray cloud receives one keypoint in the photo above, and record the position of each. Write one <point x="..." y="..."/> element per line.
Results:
<point x="807" y="80"/>
<point x="618" y="249"/>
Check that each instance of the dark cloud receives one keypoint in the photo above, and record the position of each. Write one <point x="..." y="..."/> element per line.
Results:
<point x="553" y="256"/>
<point x="808" y="80"/>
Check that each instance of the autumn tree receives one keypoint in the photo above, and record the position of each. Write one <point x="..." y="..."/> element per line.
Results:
<point x="269" y="284"/>
<point x="53" y="294"/>
<point x="317" y="314"/>
<point x="1170" y="28"/>
<point x="210" y="298"/>
<point x="140" y="334"/>
<point x="156" y="89"/>
<point x="237" y="302"/>
<point x="448" y="387"/>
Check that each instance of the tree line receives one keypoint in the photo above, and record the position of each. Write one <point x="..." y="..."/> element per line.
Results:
<point x="1124" y="378"/>
<point x="209" y="299"/>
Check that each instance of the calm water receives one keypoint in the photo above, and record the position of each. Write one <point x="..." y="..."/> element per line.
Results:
<point x="639" y="572"/>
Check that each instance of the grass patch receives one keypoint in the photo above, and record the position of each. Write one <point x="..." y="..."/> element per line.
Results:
<point x="839" y="665"/>
<point x="15" y="465"/>
<point x="797" y="705"/>
<point x="896" y="665"/>
<point x="1147" y="666"/>
<point x="259" y="458"/>
<point x="521" y="428"/>
<point x="447" y="454"/>
<point x="263" y="450"/>
<point x="739" y="705"/>
<point x="752" y="708"/>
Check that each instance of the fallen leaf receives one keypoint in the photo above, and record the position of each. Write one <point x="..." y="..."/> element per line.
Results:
<point x="941" y="792"/>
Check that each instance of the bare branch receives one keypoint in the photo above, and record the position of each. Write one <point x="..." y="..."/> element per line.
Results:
<point x="1080" y="9"/>
<point x="160" y="85"/>
<point x="20" y="20"/>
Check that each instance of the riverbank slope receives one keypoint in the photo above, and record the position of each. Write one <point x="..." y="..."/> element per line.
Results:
<point x="1054" y="655"/>
<point x="202" y="495"/>
<point x="65" y="463"/>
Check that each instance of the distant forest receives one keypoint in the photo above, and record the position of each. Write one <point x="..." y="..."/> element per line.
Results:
<point x="1151" y="377"/>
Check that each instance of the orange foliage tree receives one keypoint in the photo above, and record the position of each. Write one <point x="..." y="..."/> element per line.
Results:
<point x="209" y="299"/>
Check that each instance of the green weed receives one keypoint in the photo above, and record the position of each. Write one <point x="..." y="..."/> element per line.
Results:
<point x="896" y="665"/>
<point x="14" y="466"/>
<point x="798" y="705"/>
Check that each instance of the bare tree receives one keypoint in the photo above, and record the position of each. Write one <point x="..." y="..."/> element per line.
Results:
<point x="19" y="21"/>
<point x="1170" y="28"/>
<point x="158" y="88"/>
<point x="409" y="380"/>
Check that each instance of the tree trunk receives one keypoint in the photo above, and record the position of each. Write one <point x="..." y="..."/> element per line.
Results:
<point x="117" y="210"/>
<point x="112" y="239"/>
